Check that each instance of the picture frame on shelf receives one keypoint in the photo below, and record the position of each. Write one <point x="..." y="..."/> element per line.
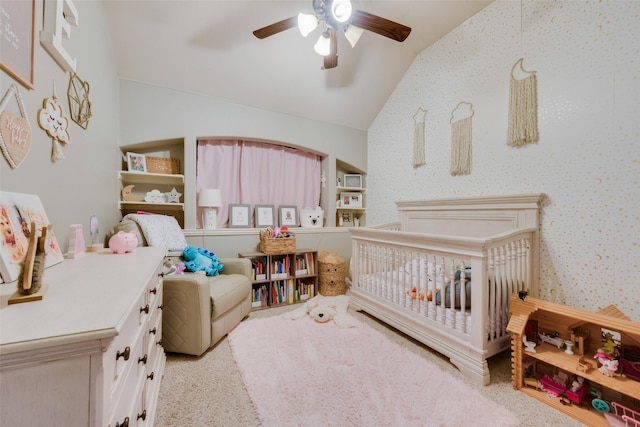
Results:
<point x="351" y="200"/>
<point x="136" y="162"/>
<point x="352" y="180"/>
<point x="265" y="216"/>
<point x="346" y="219"/>
<point x="239" y="216"/>
<point x="288" y="215"/>
<point x="18" y="46"/>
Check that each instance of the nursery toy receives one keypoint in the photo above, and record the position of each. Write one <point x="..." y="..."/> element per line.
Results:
<point x="609" y="367"/>
<point x="312" y="218"/>
<point x="170" y="268"/>
<point x="413" y="294"/>
<point x="122" y="242"/>
<point x="278" y="232"/>
<point x="322" y="309"/>
<point x="199" y="259"/>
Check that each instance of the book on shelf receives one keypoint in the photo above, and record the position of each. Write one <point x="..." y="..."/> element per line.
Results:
<point x="280" y="268"/>
<point x="290" y="296"/>
<point x="259" y="296"/>
<point x="258" y="269"/>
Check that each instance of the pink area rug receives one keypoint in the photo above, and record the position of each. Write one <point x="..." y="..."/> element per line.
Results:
<point x="304" y="373"/>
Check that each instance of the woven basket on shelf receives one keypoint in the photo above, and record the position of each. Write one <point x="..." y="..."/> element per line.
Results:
<point x="163" y="165"/>
<point x="331" y="276"/>
<point x="276" y="246"/>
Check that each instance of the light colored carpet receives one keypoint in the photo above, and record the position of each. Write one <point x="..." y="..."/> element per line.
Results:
<point x="209" y="391"/>
<point x="301" y="372"/>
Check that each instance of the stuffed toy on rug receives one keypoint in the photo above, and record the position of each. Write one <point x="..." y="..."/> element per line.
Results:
<point x="323" y="309"/>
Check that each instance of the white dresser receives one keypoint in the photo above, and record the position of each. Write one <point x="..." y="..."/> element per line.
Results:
<point x="89" y="353"/>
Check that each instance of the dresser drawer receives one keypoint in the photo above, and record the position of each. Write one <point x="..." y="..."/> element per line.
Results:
<point x="127" y="345"/>
<point x="129" y="410"/>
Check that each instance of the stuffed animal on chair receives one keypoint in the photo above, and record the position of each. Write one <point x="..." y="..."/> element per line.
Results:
<point x="323" y="309"/>
<point x="199" y="259"/>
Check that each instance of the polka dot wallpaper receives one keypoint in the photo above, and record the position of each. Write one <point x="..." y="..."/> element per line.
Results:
<point x="586" y="55"/>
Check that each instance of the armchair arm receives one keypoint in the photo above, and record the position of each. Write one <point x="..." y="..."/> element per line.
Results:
<point x="237" y="266"/>
<point x="186" y="314"/>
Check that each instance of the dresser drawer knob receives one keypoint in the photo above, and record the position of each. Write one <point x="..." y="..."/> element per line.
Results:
<point x="159" y="343"/>
<point x="143" y="359"/>
<point x="152" y="331"/>
<point x="126" y="353"/>
<point x="125" y="423"/>
<point x="150" y="376"/>
<point x="160" y="307"/>
<point x="143" y="415"/>
<point x="153" y="291"/>
<point x="145" y="309"/>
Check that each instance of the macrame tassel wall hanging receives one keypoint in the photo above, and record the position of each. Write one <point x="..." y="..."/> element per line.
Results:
<point x="461" y="152"/>
<point x="418" y="138"/>
<point x="523" y="107"/>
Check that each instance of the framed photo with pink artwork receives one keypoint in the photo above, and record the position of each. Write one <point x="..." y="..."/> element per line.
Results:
<point x="17" y="212"/>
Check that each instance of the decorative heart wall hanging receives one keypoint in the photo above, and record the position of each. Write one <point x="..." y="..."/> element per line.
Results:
<point x="55" y="123"/>
<point x="15" y="132"/>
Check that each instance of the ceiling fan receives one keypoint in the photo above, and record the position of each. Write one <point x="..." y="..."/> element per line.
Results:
<point x="336" y="16"/>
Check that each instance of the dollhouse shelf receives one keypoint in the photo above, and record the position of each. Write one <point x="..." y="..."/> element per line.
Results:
<point x="564" y="320"/>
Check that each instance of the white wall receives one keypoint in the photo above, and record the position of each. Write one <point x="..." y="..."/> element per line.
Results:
<point x="587" y="160"/>
<point x="83" y="183"/>
<point x="151" y="113"/>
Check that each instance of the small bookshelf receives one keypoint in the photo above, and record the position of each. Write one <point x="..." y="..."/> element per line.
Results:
<point x="282" y="279"/>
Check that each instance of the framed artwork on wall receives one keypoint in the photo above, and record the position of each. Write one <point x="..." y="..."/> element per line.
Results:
<point x="239" y="216"/>
<point x="265" y="216"/>
<point x="288" y="216"/>
<point x="136" y="162"/>
<point x="17" y="19"/>
<point x="17" y="212"/>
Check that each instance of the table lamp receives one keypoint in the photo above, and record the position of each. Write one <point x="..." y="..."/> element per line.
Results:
<point x="209" y="199"/>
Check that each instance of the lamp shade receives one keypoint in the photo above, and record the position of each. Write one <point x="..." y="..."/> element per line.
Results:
<point x="323" y="45"/>
<point x="353" y="34"/>
<point x="306" y="23"/>
<point x="209" y="197"/>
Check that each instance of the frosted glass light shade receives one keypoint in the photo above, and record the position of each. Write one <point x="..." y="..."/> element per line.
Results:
<point x="209" y="198"/>
<point x="353" y="34"/>
<point x="306" y="23"/>
<point x="323" y="45"/>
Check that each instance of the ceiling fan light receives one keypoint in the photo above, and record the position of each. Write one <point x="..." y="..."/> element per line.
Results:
<point x="323" y="45"/>
<point x="341" y="10"/>
<point x="353" y="34"/>
<point x="306" y="23"/>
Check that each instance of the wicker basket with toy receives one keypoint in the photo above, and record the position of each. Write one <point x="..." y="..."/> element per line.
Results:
<point x="277" y="240"/>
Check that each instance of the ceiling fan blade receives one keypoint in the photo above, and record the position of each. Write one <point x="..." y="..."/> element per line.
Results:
<point x="379" y="25"/>
<point x="276" y="27"/>
<point x="331" y="60"/>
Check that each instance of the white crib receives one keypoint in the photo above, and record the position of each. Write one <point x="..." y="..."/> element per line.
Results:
<point x="444" y="274"/>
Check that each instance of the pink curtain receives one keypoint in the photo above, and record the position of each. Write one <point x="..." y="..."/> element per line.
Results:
<point x="257" y="173"/>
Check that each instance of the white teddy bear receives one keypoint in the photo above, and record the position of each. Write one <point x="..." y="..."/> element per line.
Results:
<point x="323" y="309"/>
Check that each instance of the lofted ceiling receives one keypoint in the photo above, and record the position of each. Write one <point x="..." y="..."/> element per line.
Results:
<point x="207" y="47"/>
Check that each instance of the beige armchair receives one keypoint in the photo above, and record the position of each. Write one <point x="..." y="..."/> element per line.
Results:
<point x="199" y="310"/>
